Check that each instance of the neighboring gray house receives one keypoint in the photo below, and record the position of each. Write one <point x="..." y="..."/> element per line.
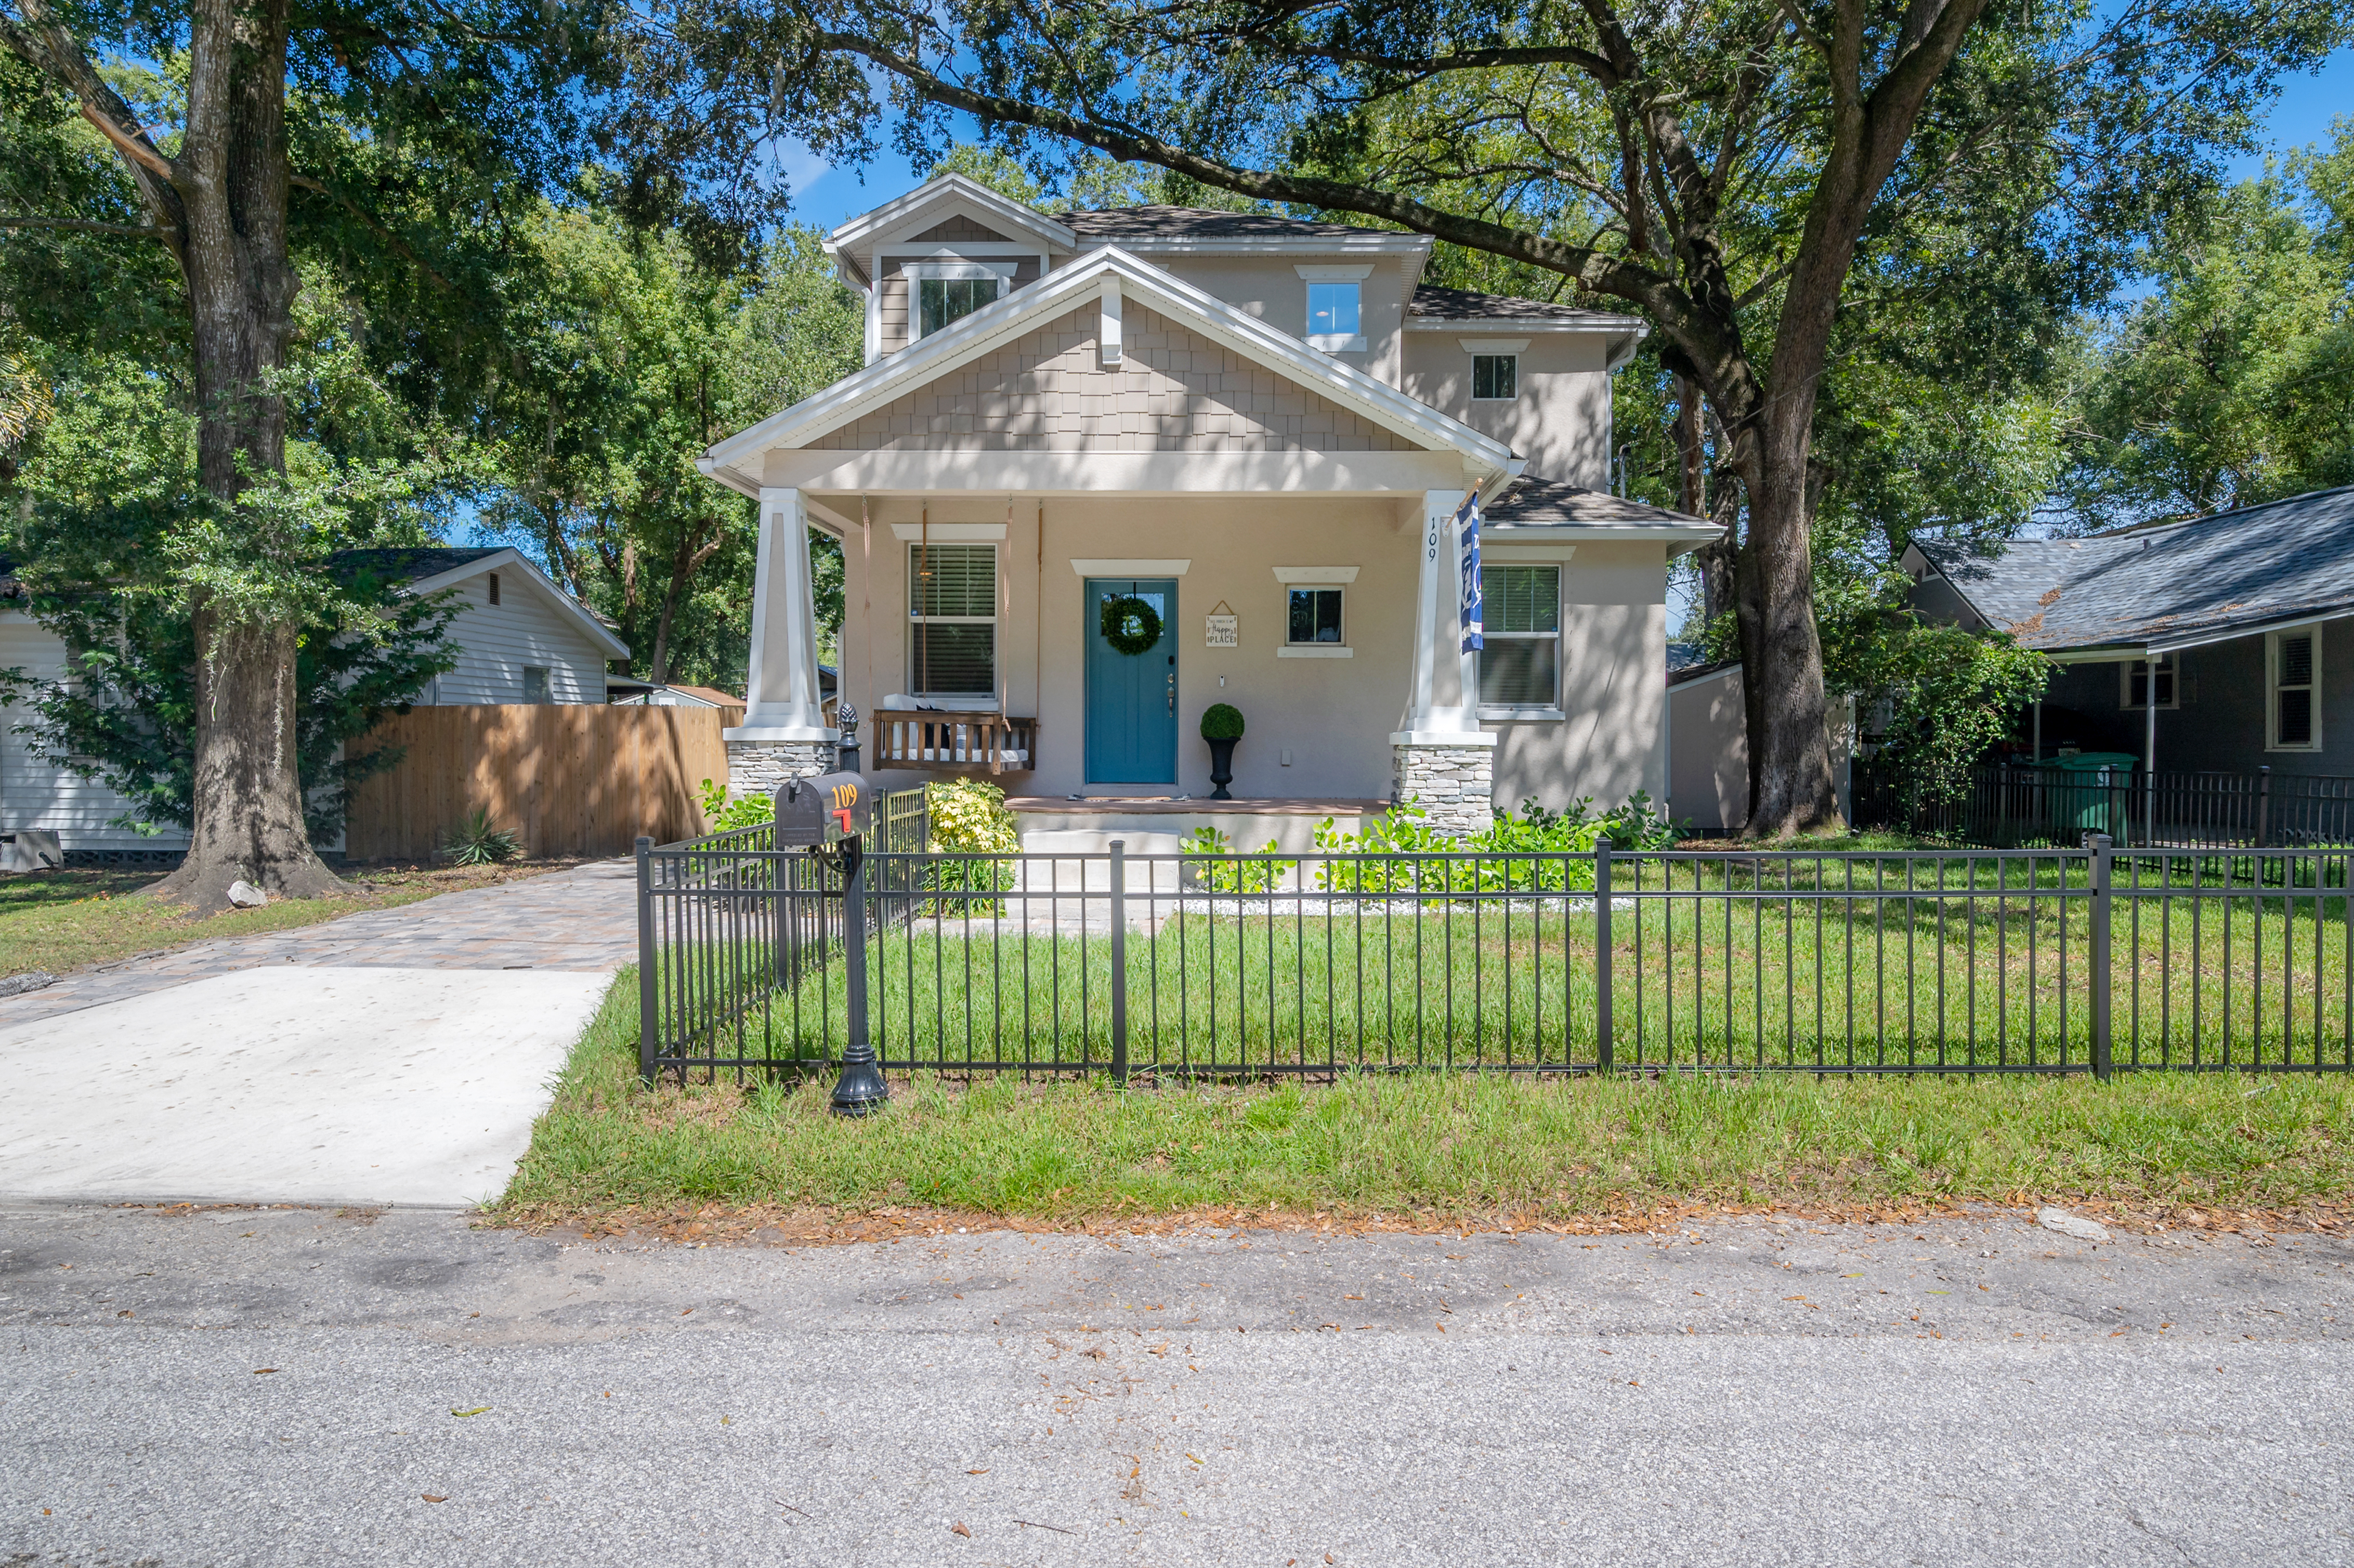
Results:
<point x="2247" y="619"/>
<point x="518" y="638"/>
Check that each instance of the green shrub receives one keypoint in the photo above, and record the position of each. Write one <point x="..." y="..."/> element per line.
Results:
<point x="968" y="817"/>
<point x="1222" y="721"/>
<point x="1220" y="871"/>
<point x="722" y="815"/>
<point x="478" y="840"/>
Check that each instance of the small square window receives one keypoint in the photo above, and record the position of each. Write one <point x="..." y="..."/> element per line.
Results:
<point x="1333" y="310"/>
<point x="1495" y="377"/>
<point x="535" y="687"/>
<point x="1315" y="616"/>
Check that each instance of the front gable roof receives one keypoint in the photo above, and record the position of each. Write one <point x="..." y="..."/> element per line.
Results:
<point x="2170" y="585"/>
<point x="1085" y="281"/>
<point x="947" y="196"/>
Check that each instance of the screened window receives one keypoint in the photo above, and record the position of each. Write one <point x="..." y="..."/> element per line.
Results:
<point x="2136" y="682"/>
<point x="1315" y="616"/>
<point x="1333" y="310"/>
<point x="940" y="300"/>
<point x="1520" y="667"/>
<point x="2296" y="689"/>
<point x="952" y="620"/>
<point x="1495" y="377"/>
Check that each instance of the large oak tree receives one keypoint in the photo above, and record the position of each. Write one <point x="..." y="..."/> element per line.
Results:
<point x="386" y="139"/>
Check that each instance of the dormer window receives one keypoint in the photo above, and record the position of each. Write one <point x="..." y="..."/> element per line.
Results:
<point x="947" y="291"/>
<point x="1336" y="322"/>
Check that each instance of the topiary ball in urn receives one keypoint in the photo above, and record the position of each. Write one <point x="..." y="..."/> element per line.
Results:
<point x="1222" y="726"/>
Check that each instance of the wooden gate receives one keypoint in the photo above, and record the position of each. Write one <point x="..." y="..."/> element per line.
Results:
<point x="572" y="781"/>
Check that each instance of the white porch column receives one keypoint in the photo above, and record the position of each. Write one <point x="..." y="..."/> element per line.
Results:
<point x="783" y="734"/>
<point x="1442" y="757"/>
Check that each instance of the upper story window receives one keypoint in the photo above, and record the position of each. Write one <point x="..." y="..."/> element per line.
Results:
<point x="1333" y="310"/>
<point x="946" y="292"/>
<point x="1336" y="318"/>
<point x="1495" y="377"/>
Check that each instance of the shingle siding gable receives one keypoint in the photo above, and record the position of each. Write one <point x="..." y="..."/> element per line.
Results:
<point x="1175" y="391"/>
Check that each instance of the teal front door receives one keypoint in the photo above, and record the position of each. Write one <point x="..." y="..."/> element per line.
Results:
<point x="1132" y="718"/>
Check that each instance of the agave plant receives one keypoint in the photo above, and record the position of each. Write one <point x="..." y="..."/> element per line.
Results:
<point x="478" y="840"/>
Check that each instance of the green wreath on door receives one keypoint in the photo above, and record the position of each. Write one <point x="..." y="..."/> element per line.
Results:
<point x="1129" y="624"/>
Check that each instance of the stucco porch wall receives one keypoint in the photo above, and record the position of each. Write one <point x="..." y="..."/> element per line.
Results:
<point x="1334" y="717"/>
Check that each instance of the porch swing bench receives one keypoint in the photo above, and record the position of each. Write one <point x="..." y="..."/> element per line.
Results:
<point x="943" y="742"/>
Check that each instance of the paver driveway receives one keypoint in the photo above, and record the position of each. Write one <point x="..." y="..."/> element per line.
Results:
<point x="395" y="1055"/>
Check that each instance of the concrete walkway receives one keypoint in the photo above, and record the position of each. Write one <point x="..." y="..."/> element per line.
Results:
<point x="392" y="1056"/>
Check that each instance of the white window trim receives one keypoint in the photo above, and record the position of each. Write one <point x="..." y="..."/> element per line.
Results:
<point x="1338" y="584"/>
<point x="1511" y="345"/>
<point x="1338" y="342"/>
<point x="2272" y="689"/>
<point x="1497" y="354"/>
<point x="2124" y="683"/>
<point x="953" y="701"/>
<point x="1508" y="712"/>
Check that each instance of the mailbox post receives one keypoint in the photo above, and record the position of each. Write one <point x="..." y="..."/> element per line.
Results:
<point x="828" y="814"/>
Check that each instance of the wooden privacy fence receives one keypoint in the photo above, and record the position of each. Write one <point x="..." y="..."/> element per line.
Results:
<point x="572" y="781"/>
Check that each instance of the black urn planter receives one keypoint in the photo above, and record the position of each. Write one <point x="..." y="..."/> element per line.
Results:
<point x="1222" y="767"/>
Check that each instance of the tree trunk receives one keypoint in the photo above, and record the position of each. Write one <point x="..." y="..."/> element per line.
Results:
<point x="1792" y="787"/>
<point x="231" y="176"/>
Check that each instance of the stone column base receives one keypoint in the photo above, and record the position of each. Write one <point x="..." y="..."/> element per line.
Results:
<point x="1454" y="783"/>
<point x="759" y="766"/>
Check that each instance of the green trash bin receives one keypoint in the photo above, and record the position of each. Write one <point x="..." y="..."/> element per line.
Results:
<point x="2090" y="793"/>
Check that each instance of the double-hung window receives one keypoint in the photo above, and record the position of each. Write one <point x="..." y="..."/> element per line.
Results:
<point x="2138" y="682"/>
<point x="1520" y="667"/>
<point x="2295" y="721"/>
<point x="952" y="620"/>
<point x="946" y="292"/>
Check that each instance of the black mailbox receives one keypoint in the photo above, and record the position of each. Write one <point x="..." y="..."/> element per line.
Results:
<point x="825" y="809"/>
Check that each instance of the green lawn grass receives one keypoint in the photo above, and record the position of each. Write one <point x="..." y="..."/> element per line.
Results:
<point x="1463" y="1146"/>
<point x="70" y="918"/>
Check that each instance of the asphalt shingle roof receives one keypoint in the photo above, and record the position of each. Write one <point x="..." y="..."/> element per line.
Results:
<point x="1535" y="501"/>
<point x="407" y="566"/>
<point x="2245" y="569"/>
<point x="1432" y="302"/>
<point x="1107" y="225"/>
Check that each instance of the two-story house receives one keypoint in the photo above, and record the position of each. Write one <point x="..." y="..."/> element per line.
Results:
<point x="1104" y="469"/>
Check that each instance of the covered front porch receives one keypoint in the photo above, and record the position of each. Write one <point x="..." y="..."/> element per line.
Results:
<point x="1065" y="647"/>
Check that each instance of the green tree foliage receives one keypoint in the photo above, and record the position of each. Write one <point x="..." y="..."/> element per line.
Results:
<point x="1944" y="698"/>
<point x="632" y="357"/>
<point x="2232" y="381"/>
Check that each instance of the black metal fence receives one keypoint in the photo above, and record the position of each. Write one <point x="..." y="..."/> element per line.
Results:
<point x="1143" y="966"/>
<point x="2025" y="807"/>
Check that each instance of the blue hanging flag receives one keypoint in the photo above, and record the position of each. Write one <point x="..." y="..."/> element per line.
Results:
<point x="1467" y="518"/>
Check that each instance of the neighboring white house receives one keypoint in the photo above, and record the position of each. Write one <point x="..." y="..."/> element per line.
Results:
<point x="1250" y="435"/>
<point x="518" y="638"/>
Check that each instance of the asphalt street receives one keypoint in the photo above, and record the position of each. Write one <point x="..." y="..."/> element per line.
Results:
<point x="211" y="1387"/>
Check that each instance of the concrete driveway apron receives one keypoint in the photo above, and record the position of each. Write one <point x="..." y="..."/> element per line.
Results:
<point x="392" y="1056"/>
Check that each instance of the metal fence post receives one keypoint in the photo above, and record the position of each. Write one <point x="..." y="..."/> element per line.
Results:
<point x="1603" y="1055"/>
<point x="1120" y="961"/>
<point x="2100" y="999"/>
<point x="861" y="1088"/>
<point x="2263" y="805"/>
<point x="649" y="1004"/>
